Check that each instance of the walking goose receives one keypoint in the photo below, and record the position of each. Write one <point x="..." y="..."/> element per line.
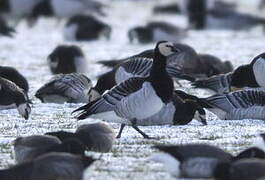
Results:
<point x="138" y="97"/>
<point x="11" y="95"/>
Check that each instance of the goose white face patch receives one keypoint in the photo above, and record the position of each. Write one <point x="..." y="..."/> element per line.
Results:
<point x="259" y="71"/>
<point x="53" y="64"/>
<point x="165" y="48"/>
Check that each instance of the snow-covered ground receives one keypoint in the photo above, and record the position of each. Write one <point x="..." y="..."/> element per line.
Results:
<point x="129" y="158"/>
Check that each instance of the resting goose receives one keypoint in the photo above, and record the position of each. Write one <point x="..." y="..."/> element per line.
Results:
<point x="51" y="166"/>
<point x="97" y="137"/>
<point x="129" y="98"/>
<point x="11" y="95"/>
<point x="70" y="88"/>
<point x="30" y="147"/>
<point x="249" y="75"/>
<point x="198" y="160"/>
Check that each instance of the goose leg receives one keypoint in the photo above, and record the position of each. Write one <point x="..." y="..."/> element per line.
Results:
<point x="121" y="129"/>
<point x="138" y="130"/>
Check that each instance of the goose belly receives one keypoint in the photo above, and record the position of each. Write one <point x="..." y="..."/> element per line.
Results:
<point x="164" y="117"/>
<point x="247" y="113"/>
<point x="141" y="104"/>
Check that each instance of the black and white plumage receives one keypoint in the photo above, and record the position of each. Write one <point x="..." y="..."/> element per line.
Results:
<point x="67" y="59"/>
<point x="246" y="104"/>
<point x="13" y="96"/>
<point x="16" y="77"/>
<point x="86" y="28"/>
<point x="5" y="29"/>
<point x="156" y="31"/>
<point x="129" y="98"/>
<point x="30" y="147"/>
<point x="70" y="88"/>
<point x="51" y="166"/>
<point x="97" y="137"/>
<point x="198" y="160"/>
<point x="65" y="8"/>
<point x="249" y="75"/>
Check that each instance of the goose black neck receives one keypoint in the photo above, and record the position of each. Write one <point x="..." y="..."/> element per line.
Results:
<point x="159" y="64"/>
<point x="17" y="172"/>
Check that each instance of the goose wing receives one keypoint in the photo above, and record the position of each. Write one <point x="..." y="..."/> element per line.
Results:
<point x="236" y="100"/>
<point x="108" y="101"/>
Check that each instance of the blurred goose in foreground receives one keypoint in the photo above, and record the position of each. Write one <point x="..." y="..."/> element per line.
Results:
<point x="97" y="137"/>
<point x="16" y="77"/>
<point x="70" y="88"/>
<point x="67" y="59"/>
<point x="51" y="166"/>
<point x="12" y="96"/>
<point x="245" y="169"/>
<point x="129" y="98"/>
<point x="196" y="160"/>
<point x="156" y="31"/>
<point x="86" y="28"/>
<point x="30" y="147"/>
<point x="5" y="30"/>
<point x="249" y="75"/>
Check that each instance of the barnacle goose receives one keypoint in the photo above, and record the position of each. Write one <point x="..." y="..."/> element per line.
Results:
<point x="30" y="147"/>
<point x="16" y="77"/>
<point x="156" y="31"/>
<point x="97" y="137"/>
<point x="129" y="98"/>
<point x="198" y="160"/>
<point x="86" y="28"/>
<point x="11" y="95"/>
<point x="245" y="104"/>
<point x="51" y="166"/>
<point x="71" y="88"/>
<point x="249" y="75"/>
<point x="67" y="59"/>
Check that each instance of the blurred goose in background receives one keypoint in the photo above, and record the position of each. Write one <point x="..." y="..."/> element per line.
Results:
<point x="30" y="147"/>
<point x="70" y="88"/>
<point x="16" y="77"/>
<point x="67" y="59"/>
<point x="97" y="137"/>
<point x="173" y="8"/>
<point x="156" y="31"/>
<point x="249" y="75"/>
<point x="129" y="98"/>
<point x="197" y="160"/>
<point x="219" y="15"/>
<point x="5" y="30"/>
<point x="85" y="28"/>
<point x="12" y="96"/>
<point x="51" y="166"/>
<point x="65" y="8"/>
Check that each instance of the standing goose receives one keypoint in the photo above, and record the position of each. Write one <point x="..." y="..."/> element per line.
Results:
<point x="246" y="104"/>
<point x="30" y="147"/>
<point x="51" y="166"/>
<point x="249" y="75"/>
<point x="71" y="88"/>
<point x="138" y="97"/>
<point x="97" y="137"/>
<point x="12" y="95"/>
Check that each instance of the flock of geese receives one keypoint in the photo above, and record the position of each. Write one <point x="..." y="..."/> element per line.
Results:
<point x="138" y="91"/>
